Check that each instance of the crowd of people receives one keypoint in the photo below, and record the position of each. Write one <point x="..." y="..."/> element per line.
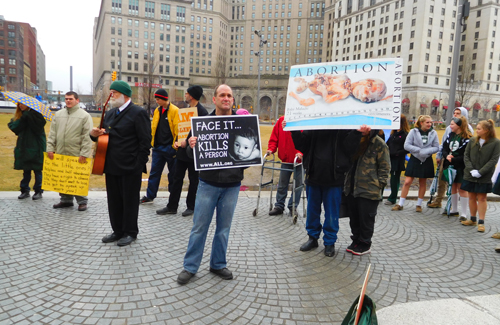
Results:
<point x="346" y="171"/>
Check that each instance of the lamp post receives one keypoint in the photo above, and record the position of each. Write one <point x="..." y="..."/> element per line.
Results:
<point x="258" y="54"/>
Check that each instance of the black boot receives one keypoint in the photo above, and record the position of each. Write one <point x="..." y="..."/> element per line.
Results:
<point x="310" y="244"/>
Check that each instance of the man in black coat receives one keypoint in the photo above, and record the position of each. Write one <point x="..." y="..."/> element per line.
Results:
<point x="184" y="163"/>
<point x="129" y="129"/>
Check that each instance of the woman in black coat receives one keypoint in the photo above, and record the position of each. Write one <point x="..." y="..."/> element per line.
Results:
<point x="397" y="153"/>
<point x="31" y="143"/>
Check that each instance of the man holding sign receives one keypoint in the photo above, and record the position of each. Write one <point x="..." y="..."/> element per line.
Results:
<point x="184" y="163"/>
<point x="69" y="136"/>
<point x="218" y="190"/>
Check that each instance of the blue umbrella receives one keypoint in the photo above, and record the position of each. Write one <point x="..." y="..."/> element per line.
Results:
<point x="449" y="174"/>
<point x="33" y="103"/>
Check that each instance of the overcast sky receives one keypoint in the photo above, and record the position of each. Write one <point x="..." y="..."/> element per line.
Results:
<point x="64" y="30"/>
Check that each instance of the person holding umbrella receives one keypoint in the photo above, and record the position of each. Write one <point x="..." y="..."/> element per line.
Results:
<point x="28" y="125"/>
<point x="481" y="155"/>
<point x="453" y="155"/>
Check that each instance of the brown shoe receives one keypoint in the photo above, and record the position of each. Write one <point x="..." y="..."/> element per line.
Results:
<point x="82" y="207"/>
<point x="434" y="205"/>
<point x="397" y="207"/>
<point x="62" y="205"/>
<point x="419" y="208"/>
<point x="496" y="235"/>
<point x="469" y="223"/>
<point x="480" y="227"/>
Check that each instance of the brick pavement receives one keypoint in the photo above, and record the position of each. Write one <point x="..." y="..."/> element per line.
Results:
<point x="54" y="268"/>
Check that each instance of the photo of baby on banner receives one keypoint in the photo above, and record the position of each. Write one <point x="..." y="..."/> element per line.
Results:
<point x="226" y="141"/>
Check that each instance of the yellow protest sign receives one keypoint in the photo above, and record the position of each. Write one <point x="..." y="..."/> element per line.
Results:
<point x="185" y="115"/>
<point x="64" y="174"/>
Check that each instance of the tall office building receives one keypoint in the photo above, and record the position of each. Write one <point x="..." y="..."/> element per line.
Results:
<point x="22" y="63"/>
<point x="205" y="42"/>
<point x="422" y="33"/>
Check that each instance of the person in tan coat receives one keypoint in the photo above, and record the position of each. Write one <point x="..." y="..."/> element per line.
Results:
<point x="69" y="135"/>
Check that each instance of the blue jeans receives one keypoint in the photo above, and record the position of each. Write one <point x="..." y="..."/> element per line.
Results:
<point x="161" y="155"/>
<point x="331" y="198"/>
<point x="25" y="182"/>
<point x="208" y="199"/>
<point x="283" y="182"/>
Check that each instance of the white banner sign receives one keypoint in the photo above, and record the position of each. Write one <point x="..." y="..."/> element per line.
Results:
<point x="345" y="95"/>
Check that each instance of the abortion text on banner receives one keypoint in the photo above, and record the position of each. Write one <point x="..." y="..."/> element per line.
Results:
<point x="64" y="174"/>
<point x="345" y="95"/>
<point x="227" y="141"/>
<point x="185" y="115"/>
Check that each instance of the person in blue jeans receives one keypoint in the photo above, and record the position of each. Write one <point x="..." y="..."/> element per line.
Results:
<point x="164" y="131"/>
<point x="327" y="157"/>
<point x="282" y="142"/>
<point x="218" y="191"/>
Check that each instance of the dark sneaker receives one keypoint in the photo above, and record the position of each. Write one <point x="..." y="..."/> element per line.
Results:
<point x="223" y="273"/>
<point x="276" y="211"/>
<point x="361" y="249"/>
<point x="352" y="246"/>
<point x="184" y="277"/>
<point x="62" y="205"/>
<point x="145" y="199"/>
<point x="310" y="244"/>
<point x="329" y="250"/>
<point x="24" y="195"/>
<point x="165" y="210"/>
<point x="82" y="207"/>
<point x="37" y="196"/>
<point x="187" y="213"/>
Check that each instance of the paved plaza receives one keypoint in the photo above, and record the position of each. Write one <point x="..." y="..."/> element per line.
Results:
<point x="54" y="269"/>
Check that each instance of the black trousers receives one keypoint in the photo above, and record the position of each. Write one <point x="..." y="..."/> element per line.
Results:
<point x="176" y="188"/>
<point x="123" y="203"/>
<point x="361" y="214"/>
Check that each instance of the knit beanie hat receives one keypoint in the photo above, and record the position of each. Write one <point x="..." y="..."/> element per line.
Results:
<point x="242" y="111"/>
<point x="121" y="87"/>
<point x="195" y="91"/>
<point x="161" y="94"/>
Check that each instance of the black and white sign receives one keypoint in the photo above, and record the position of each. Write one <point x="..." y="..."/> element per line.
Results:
<point x="226" y="141"/>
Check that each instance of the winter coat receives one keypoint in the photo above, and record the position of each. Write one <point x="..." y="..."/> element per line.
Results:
<point x="457" y="150"/>
<point x="447" y="131"/>
<point x="173" y="122"/>
<point x="483" y="159"/>
<point x="416" y="147"/>
<point x="327" y="154"/>
<point x="370" y="172"/>
<point x="31" y="140"/>
<point x="397" y="151"/>
<point x="282" y="141"/>
<point x="70" y="133"/>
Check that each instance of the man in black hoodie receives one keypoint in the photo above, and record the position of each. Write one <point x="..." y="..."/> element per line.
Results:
<point x="327" y="157"/>
<point x="184" y="163"/>
<point x="217" y="191"/>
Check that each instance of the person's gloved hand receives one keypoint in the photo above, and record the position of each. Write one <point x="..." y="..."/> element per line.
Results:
<point x="475" y="173"/>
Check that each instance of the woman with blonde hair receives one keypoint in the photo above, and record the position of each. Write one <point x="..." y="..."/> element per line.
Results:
<point x="28" y="125"/>
<point x="397" y="153"/>
<point x="481" y="155"/>
<point x="453" y="155"/>
<point x="422" y="142"/>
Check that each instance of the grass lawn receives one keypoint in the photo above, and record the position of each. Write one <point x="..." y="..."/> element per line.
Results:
<point x="10" y="178"/>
